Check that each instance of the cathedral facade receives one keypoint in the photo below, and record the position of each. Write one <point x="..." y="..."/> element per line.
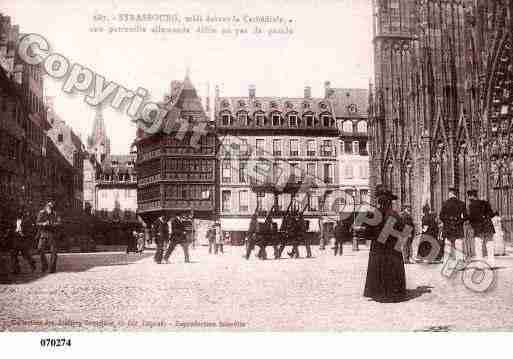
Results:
<point x="441" y="112"/>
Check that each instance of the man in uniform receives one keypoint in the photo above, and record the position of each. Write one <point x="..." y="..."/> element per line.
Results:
<point x="178" y="236"/>
<point x="303" y="235"/>
<point x="342" y="234"/>
<point x="251" y="236"/>
<point x="293" y="230"/>
<point x="22" y="240"/>
<point x="48" y="223"/>
<point x="480" y="217"/>
<point x="453" y="215"/>
<point x="161" y="235"/>
<point x="408" y="221"/>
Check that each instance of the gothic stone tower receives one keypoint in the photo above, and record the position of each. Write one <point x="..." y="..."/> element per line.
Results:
<point x="441" y="111"/>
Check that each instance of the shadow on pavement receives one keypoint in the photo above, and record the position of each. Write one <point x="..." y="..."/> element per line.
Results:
<point x="410" y="294"/>
<point x="417" y="292"/>
<point x="76" y="262"/>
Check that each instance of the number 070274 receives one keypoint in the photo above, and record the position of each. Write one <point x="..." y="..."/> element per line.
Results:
<point x="58" y="342"/>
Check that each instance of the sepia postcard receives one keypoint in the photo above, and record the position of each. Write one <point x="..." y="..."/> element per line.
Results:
<point x="286" y="166"/>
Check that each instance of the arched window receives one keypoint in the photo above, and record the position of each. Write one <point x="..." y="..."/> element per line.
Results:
<point x="276" y="119"/>
<point x="308" y="119"/>
<point x="293" y="120"/>
<point x="327" y="120"/>
<point x="347" y="126"/>
<point x="259" y="119"/>
<point x="243" y="119"/>
<point x="362" y="126"/>
<point x="226" y="118"/>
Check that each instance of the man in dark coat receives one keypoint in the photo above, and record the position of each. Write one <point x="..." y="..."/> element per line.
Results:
<point x="342" y="234"/>
<point x="430" y="233"/>
<point x="453" y="215"/>
<point x="48" y="223"/>
<point x="178" y="237"/>
<point x="407" y="220"/>
<point x="251" y="236"/>
<point x="161" y="236"/>
<point x="22" y="240"/>
<point x="480" y="217"/>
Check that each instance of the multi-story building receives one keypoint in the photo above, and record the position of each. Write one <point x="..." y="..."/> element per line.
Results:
<point x="71" y="147"/>
<point x="279" y="140"/>
<point x="176" y="174"/>
<point x="441" y="110"/>
<point x="32" y="168"/>
<point x="109" y="181"/>
<point x="350" y="107"/>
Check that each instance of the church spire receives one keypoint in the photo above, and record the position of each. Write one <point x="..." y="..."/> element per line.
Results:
<point x="99" y="142"/>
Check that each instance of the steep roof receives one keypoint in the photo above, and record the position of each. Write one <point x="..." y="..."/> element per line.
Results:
<point x="183" y="103"/>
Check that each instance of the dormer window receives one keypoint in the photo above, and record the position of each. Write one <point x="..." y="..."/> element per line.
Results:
<point x="242" y="118"/>
<point x="242" y="103"/>
<point x="326" y="121"/>
<point x="226" y="119"/>
<point x="259" y="119"/>
<point x="276" y="119"/>
<point x="309" y="120"/>
<point x="293" y="121"/>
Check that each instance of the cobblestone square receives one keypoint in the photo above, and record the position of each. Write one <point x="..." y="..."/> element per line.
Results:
<point x="116" y="291"/>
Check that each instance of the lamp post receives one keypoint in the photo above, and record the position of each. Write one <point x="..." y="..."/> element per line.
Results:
<point x="355" y="239"/>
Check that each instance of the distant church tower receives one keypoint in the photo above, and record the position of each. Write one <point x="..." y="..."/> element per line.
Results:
<point x="98" y="142"/>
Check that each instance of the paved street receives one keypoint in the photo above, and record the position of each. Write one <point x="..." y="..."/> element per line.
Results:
<point x="118" y="291"/>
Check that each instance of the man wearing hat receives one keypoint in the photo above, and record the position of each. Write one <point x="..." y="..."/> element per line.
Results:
<point x="48" y="223"/>
<point x="178" y="236"/>
<point x="22" y="239"/>
<point x="480" y="217"/>
<point x="453" y="215"/>
<point x="407" y="219"/>
<point x="161" y="236"/>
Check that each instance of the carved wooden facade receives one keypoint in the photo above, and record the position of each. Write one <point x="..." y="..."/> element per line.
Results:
<point x="176" y="172"/>
<point x="441" y="111"/>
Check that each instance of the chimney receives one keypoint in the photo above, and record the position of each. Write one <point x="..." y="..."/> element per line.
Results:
<point x="252" y="91"/>
<point x="308" y="92"/>
<point x="217" y="92"/>
<point x="327" y="89"/>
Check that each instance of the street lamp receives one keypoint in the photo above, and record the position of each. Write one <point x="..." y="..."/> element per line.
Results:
<point x="355" y="239"/>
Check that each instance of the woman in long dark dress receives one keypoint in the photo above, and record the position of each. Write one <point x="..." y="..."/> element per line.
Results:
<point x="386" y="278"/>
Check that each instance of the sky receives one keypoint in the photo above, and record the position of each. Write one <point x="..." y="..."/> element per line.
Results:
<point x="331" y="40"/>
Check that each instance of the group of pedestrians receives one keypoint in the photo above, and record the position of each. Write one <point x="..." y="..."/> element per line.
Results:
<point x="386" y="280"/>
<point x="21" y="230"/>
<point x="450" y="230"/>
<point x="170" y="232"/>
